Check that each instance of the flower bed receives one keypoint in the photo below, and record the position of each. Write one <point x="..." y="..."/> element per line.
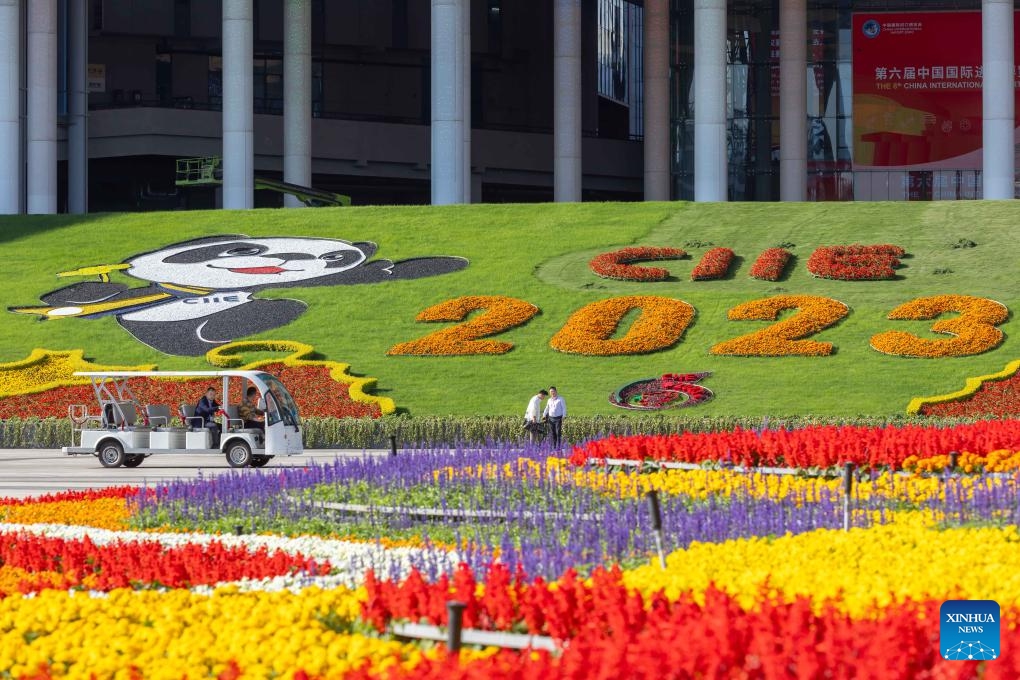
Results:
<point x="784" y="338"/>
<point x="666" y="391"/>
<point x="855" y="262"/>
<point x="771" y="264"/>
<point x="320" y="388"/>
<point x="974" y="331"/>
<point x="501" y="314"/>
<point x="619" y="264"/>
<point x="810" y="447"/>
<point x="82" y="564"/>
<point x="756" y="560"/>
<point x="997" y="397"/>
<point x="714" y="264"/>
<point x="588" y="330"/>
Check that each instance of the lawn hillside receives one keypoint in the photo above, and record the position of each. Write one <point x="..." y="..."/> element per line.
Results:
<point x="540" y="254"/>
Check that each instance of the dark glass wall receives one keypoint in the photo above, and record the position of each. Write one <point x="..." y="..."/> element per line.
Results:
<point x="752" y="94"/>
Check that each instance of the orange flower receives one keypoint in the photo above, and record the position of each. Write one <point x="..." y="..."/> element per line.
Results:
<point x="974" y="330"/>
<point x="784" y="338"/>
<point x="588" y="330"/>
<point x="501" y="313"/>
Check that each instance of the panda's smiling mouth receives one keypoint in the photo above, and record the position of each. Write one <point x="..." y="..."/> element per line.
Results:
<point x="256" y="270"/>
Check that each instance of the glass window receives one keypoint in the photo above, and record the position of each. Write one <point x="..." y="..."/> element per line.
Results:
<point x="215" y="81"/>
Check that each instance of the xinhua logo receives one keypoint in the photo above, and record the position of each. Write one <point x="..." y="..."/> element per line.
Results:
<point x="969" y="630"/>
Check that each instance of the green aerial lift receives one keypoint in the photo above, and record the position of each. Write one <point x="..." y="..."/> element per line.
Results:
<point x="208" y="171"/>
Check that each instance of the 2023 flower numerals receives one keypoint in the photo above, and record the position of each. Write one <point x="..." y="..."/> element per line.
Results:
<point x="662" y="322"/>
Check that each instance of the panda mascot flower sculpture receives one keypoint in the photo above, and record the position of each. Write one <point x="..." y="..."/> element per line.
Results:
<point x="201" y="293"/>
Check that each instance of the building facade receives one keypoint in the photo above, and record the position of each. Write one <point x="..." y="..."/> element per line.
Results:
<point x="451" y="101"/>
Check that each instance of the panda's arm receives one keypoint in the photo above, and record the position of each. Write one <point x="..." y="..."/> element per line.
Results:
<point x="86" y="292"/>
<point x="385" y="270"/>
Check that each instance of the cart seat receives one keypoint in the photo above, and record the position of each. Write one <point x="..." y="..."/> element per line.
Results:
<point x="159" y="417"/>
<point x="125" y="416"/>
<point x="193" y="422"/>
<point x="234" y="420"/>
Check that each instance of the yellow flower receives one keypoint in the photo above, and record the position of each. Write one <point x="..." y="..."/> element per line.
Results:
<point x="179" y="633"/>
<point x="861" y="571"/>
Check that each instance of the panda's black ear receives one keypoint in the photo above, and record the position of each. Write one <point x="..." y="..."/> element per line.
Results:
<point x="366" y="247"/>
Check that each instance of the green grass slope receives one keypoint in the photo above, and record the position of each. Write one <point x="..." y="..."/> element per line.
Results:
<point x="540" y="253"/>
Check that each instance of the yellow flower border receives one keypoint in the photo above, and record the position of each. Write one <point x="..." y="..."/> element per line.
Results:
<point x="16" y="380"/>
<point x="225" y="356"/>
<point x="971" y="386"/>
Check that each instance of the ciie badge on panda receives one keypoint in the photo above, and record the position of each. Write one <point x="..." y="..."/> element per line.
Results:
<point x="969" y="630"/>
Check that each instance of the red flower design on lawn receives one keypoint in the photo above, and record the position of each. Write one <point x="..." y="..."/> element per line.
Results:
<point x="666" y="391"/>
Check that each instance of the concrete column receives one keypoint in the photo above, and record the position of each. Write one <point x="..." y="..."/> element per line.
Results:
<point x="77" y="108"/>
<point x="710" y="163"/>
<point x="10" y="110"/>
<point x="465" y="43"/>
<point x="656" y="81"/>
<point x="238" y="116"/>
<point x="997" y="98"/>
<point x="297" y="96"/>
<point x="42" y="107"/>
<point x="793" y="100"/>
<point x="447" y="102"/>
<point x="567" y="100"/>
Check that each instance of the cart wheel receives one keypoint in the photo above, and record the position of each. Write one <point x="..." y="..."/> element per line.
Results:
<point x="133" y="461"/>
<point x="260" y="461"/>
<point x="111" y="454"/>
<point x="239" y="454"/>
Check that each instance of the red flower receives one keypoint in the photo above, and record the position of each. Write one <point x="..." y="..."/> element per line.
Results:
<point x="713" y="265"/>
<point x="770" y="264"/>
<point x="617" y="264"/>
<point x="855" y="262"/>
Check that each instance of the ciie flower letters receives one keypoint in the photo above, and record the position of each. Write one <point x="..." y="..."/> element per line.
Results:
<point x="201" y="293"/>
<point x="854" y="262"/>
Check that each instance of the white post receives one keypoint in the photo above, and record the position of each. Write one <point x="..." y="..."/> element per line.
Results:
<point x="997" y="99"/>
<point x="42" y="107"/>
<point x="466" y="94"/>
<point x="567" y="171"/>
<point x="10" y="107"/>
<point x="297" y="96"/>
<point x="710" y="164"/>
<point x="238" y="116"/>
<point x="656" y="80"/>
<point x="793" y="100"/>
<point x="447" y="102"/>
<point x="77" y="108"/>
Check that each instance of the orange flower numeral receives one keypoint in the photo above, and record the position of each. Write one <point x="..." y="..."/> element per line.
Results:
<point x="975" y="328"/>
<point x="588" y="330"/>
<point x="784" y="338"/>
<point x="501" y="314"/>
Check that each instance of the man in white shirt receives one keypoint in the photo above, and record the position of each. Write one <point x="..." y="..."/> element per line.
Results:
<point x="555" y="410"/>
<point x="533" y="416"/>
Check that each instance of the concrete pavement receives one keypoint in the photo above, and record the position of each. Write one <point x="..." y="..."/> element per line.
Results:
<point x="31" y="472"/>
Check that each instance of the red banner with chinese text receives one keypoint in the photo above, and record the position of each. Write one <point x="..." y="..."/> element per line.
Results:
<point x="917" y="89"/>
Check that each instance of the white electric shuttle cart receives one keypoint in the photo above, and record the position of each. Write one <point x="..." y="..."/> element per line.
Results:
<point x="125" y="432"/>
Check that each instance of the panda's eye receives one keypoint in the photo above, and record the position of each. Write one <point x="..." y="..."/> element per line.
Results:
<point x="339" y="256"/>
<point x="244" y="250"/>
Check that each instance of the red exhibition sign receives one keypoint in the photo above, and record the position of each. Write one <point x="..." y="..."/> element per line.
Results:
<point x="917" y="89"/>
